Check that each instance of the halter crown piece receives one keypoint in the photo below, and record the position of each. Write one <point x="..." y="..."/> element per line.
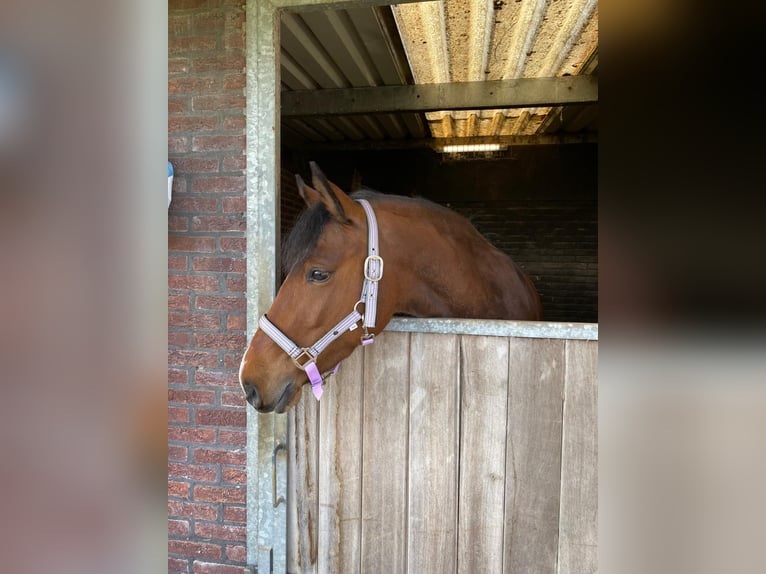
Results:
<point x="305" y="357"/>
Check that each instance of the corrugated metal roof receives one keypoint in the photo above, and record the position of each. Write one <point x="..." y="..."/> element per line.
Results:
<point x="441" y="42"/>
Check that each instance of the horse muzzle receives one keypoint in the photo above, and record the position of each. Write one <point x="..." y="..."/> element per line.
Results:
<point x="283" y="403"/>
<point x="268" y="382"/>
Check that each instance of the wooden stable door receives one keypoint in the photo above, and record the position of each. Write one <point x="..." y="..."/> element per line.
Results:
<point x="434" y="453"/>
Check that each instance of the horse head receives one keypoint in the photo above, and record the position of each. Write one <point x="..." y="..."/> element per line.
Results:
<point x="300" y="338"/>
<point x="438" y="265"/>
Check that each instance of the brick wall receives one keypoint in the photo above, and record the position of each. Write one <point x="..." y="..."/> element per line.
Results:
<point x="557" y="245"/>
<point x="206" y="287"/>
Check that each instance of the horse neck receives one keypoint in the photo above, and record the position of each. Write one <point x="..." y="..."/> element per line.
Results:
<point x="429" y="278"/>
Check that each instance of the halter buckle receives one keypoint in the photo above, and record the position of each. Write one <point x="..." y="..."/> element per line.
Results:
<point x="304" y="353"/>
<point x="367" y="272"/>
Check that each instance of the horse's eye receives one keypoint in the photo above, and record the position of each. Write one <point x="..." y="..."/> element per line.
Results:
<point x="318" y="276"/>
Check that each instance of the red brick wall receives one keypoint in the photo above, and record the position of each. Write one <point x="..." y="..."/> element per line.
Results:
<point x="206" y="287"/>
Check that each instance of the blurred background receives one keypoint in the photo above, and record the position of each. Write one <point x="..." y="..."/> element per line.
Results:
<point x="83" y="312"/>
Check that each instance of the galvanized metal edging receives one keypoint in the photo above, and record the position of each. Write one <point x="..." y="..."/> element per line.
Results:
<point x="527" y="329"/>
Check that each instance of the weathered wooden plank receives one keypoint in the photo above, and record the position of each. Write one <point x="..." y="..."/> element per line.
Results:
<point x="533" y="456"/>
<point x="432" y="539"/>
<point x="292" y="533"/>
<point x="303" y="485"/>
<point x="384" y="457"/>
<point x="578" y="523"/>
<point x="340" y="469"/>
<point x="484" y="403"/>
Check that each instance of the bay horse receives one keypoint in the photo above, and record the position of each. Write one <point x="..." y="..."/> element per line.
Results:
<point x="409" y="256"/>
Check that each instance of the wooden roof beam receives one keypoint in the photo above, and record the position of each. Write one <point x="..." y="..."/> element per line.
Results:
<point x="438" y="143"/>
<point x="496" y="94"/>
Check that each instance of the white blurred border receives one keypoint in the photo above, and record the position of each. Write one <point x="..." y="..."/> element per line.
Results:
<point x="83" y="312"/>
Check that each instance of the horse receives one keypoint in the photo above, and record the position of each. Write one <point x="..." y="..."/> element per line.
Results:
<point x="409" y="256"/>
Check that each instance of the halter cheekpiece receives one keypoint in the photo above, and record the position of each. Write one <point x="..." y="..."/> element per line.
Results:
<point x="305" y="357"/>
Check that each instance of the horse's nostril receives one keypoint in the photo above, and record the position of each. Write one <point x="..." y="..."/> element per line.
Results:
<point x="251" y="394"/>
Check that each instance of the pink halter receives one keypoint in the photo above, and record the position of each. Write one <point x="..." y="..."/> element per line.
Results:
<point x="305" y="357"/>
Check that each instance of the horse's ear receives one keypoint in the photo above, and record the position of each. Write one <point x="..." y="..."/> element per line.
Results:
<point x="308" y="193"/>
<point x="338" y="204"/>
<point x="356" y="181"/>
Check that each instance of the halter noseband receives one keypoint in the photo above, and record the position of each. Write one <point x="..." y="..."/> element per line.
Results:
<point x="305" y="357"/>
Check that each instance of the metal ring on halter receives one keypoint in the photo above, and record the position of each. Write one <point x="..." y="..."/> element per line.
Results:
<point x="304" y="352"/>
<point x="367" y="262"/>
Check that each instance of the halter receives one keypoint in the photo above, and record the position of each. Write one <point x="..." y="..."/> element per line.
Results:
<point x="305" y="357"/>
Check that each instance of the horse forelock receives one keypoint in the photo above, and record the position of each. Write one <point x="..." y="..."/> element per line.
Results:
<point x="303" y="237"/>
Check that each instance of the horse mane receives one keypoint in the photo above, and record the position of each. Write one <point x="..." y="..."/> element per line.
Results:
<point x="305" y="233"/>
